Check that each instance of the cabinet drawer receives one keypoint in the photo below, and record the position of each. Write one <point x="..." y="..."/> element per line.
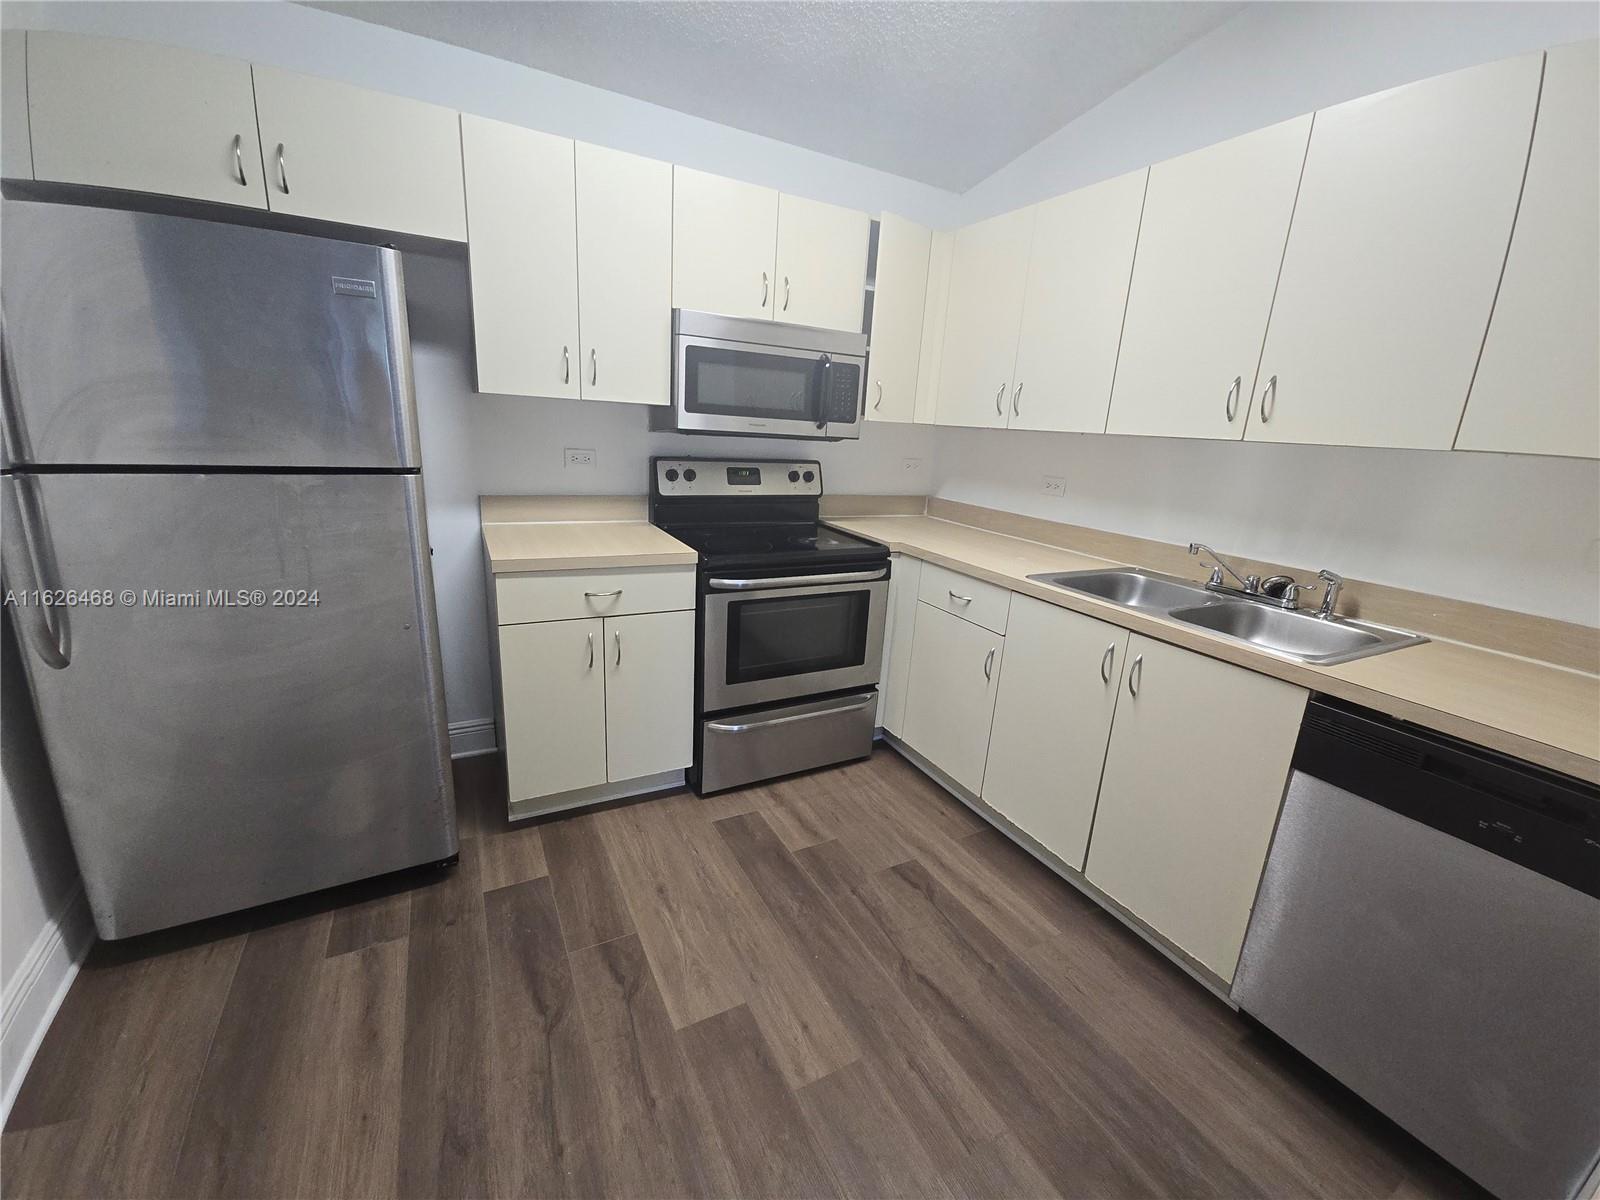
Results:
<point x="569" y="595"/>
<point x="981" y="603"/>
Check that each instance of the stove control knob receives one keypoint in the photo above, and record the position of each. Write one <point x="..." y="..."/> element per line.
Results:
<point x="672" y="474"/>
<point x="794" y="476"/>
<point x="688" y="474"/>
<point x="809" y="476"/>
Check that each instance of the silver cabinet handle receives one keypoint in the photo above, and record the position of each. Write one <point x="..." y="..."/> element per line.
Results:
<point x="594" y="367"/>
<point x="763" y="289"/>
<point x="1269" y="399"/>
<point x="963" y="599"/>
<point x="238" y="159"/>
<point x="618" y="639"/>
<point x="1000" y="401"/>
<point x="1231" y="405"/>
<point x="30" y="567"/>
<point x="1106" y="660"/>
<point x="604" y="595"/>
<point x="879" y="404"/>
<point x="283" y="175"/>
<point x="1135" y="673"/>
<point x="787" y="581"/>
<point x="988" y="664"/>
<point x="1016" y="402"/>
<point x="566" y="366"/>
<point x="591" y="652"/>
<point x="785" y="293"/>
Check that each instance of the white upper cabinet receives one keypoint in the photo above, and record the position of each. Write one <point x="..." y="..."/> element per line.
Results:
<point x="624" y="212"/>
<point x="1072" y="316"/>
<point x="142" y="117"/>
<point x="899" y="295"/>
<point x="930" y="362"/>
<point x="822" y="263"/>
<point x="341" y="153"/>
<point x="1399" y="237"/>
<point x="16" y="149"/>
<point x="1210" y="244"/>
<point x="724" y="245"/>
<point x="1537" y="390"/>
<point x="524" y="258"/>
<point x="988" y="276"/>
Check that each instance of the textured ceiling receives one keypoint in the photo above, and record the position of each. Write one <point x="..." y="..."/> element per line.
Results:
<point x="941" y="92"/>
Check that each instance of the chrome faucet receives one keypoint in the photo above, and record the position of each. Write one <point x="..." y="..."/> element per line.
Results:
<point x="1249" y="585"/>
<point x="1330" y="597"/>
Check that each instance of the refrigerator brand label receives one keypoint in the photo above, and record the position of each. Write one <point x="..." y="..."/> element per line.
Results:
<point x="355" y="287"/>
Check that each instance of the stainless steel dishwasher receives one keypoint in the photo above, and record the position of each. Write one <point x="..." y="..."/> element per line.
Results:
<point x="1428" y="931"/>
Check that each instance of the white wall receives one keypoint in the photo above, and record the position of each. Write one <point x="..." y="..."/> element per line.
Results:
<point x="1269" y="63"/>
<point x="1510" y="530"/>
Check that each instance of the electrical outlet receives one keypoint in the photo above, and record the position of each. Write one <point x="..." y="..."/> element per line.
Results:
<point x="1055" y="485"/>
<point x="911" y="465"/>
<point x="581" y="459"/>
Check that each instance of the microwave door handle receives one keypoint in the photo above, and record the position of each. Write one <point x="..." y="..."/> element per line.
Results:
<point x="824" y="380"/>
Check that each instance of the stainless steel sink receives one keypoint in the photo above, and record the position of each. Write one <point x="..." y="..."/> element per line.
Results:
<point x="1296" y="635"/>
<point x="1288" y="633"/>
<point x="1130" y="587"/>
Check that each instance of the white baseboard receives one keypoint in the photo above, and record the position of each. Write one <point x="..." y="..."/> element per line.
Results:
<point x="37" y="991"/>
<point x="472" y="737"/>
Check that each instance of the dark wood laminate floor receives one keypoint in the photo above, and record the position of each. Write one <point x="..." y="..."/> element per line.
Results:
<point x="842" y="984"/>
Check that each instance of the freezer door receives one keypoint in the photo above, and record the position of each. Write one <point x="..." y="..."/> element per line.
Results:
<point x="216" y="749"/>
<point x="137" y="339"/>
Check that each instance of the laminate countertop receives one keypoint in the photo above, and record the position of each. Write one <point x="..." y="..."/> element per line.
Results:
<point x="1545" y="714"/>
<point x="562" y="533"/>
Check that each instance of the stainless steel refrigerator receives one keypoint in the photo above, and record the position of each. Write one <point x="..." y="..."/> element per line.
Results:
<point x="212" y="475"/>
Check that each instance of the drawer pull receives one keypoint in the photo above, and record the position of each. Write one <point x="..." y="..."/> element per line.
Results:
<point x="963" y="599"/>
<point x="603" y="595"/>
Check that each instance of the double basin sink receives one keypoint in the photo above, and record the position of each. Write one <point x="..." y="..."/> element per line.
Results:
<point x="1289" y="633"/>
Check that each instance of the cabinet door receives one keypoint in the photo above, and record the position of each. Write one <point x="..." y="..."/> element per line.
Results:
<point x="822" y="263"/>
<point x="143" y="117"/>
<point x="1072" y="315"/>
<point x="1194" y="776"/>
<point x="553" y="700"/>
<point x="342" y="153"/>
<point x="955" y="667"/>
<point x="1537" y="390"/>
<point x="524" y="257"/>
<point x="1051" y="723"/>
<point x="649" y="694"/>
<point x="16" y="149"/>
<point x="899" y="294"/>
<point x="724" y="244"/>
<point x="1399" y="237"/>
<point x="625" y="275"/>
<point x="1210" y="244"/>
<point x="988" y="274"/>
<point x="898" y="633"/>
<point x="930" y="362"/>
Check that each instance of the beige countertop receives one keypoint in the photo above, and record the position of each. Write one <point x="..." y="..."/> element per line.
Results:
<point x="1545" y="714"/>
<point x="561" y="533"/>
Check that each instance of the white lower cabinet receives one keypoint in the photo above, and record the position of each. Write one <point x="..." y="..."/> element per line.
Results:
<point x="904" y="577"/>
<point x="649" y="693"/>
<point x="595" y="700"/>
<point x="1194" y="776"/>
<point x="1051" y="721"/>
<point x="955" y="667"/>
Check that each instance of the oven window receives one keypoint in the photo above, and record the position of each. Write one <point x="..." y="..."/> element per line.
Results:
<point x="796" y="635"/>
<point x="745" y="383"/>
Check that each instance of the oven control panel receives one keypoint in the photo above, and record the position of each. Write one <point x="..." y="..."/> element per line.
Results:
<point x="737" y="477"/>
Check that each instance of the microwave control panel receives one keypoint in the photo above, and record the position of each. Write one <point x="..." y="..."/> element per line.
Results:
<point x="841" y="404"/>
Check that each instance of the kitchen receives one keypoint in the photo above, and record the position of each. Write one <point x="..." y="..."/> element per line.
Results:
<point x="1072" y="876"/>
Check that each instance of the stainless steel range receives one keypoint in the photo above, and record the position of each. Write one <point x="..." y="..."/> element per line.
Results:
<point x="790" y="618"/>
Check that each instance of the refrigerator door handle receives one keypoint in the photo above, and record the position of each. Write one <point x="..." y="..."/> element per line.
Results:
<point x="45" y="624"/>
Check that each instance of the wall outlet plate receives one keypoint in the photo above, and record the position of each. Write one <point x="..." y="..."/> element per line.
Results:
<point x="1055" y="485"/>
<point x="911" y="465"/>
<point x="582" y="459"/>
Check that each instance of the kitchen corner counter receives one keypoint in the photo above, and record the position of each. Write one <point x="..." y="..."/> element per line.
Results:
<point x="1545" y="714"/>
<point x="571" y="533"/>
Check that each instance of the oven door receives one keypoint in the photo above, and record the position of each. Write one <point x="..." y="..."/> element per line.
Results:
<point x="737" y="387"/>
<point x="776" y="639"/>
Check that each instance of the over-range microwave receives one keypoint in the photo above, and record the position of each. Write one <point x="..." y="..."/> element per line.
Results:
<point x="763" y="378"/>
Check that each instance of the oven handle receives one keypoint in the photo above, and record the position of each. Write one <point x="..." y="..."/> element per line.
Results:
<point x="783" y="581"/>
<point x="747" y="726"/>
